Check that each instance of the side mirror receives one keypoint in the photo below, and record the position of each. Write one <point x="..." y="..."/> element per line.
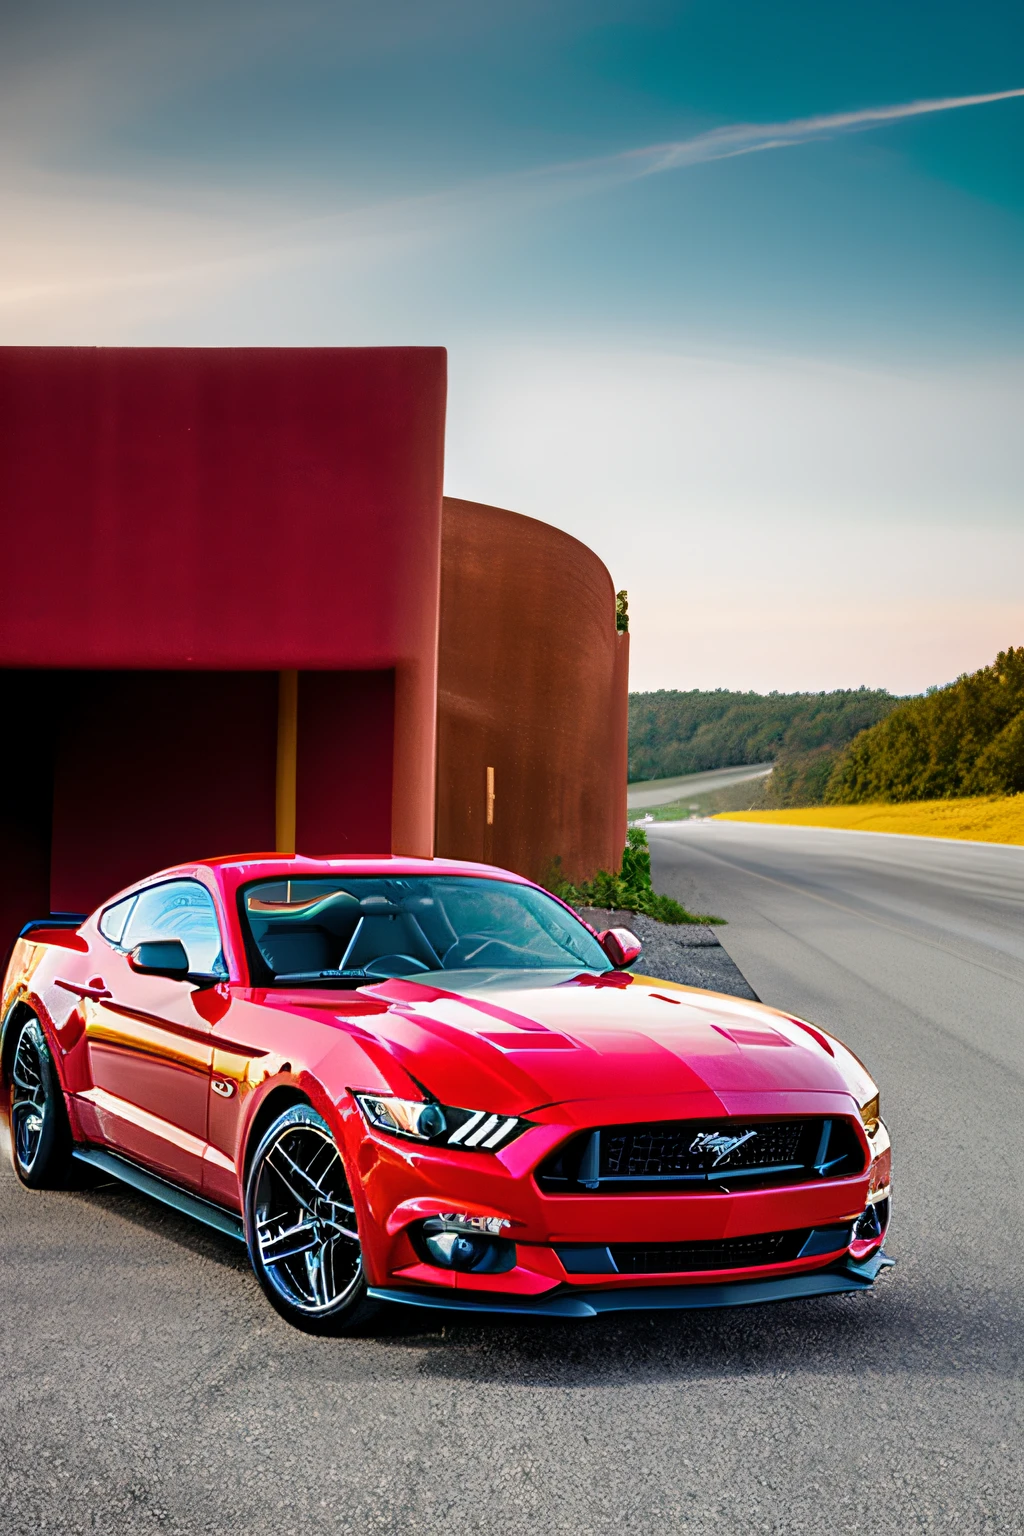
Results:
<point x="160" y="957"/>
<point x="621" y="946"/>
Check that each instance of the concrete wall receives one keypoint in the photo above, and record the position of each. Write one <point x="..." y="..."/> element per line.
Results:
<point x="532" y="682"/>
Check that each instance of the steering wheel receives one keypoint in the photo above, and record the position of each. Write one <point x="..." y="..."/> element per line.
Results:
<point x="479" y="950"/>
<point x="386" y="966"/>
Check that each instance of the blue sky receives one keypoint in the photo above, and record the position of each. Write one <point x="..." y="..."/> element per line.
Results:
<point x="764" y="352"/>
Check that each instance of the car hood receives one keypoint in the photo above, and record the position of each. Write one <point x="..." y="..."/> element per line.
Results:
<point x="514" y="1041"/>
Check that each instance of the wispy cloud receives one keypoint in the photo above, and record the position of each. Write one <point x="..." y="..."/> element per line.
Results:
<point x="82" y="238"/>
<point x="751" y="138"/>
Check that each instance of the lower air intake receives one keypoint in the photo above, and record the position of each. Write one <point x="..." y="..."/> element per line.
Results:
<point x="726" y="1253"/>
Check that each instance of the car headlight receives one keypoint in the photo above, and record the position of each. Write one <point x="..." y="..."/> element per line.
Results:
<point x="870" y="1115"/>
<point x="472" y="1130"/>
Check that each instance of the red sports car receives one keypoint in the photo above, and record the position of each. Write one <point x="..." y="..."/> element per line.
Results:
<point x="429" y="1082"/>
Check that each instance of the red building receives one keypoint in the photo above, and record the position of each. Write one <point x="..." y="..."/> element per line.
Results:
<point x="236" y="614"/>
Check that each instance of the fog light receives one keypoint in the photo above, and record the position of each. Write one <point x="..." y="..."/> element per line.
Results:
<point x="869" y="1229"/>
<point x="454" y="1250"/>
<point x="868" y="1226"/>
<point x="452" y="1243"/>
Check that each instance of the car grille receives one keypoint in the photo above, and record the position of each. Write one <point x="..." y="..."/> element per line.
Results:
<point x="702" y="1155"/>
<point x="726" y="1253"/>
<point x="660" y="1151"/>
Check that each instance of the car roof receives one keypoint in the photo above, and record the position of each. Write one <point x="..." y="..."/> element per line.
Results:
<point x="233" y="870"/>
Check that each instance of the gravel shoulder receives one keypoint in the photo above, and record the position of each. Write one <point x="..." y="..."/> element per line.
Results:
<point x="689" y="953"/>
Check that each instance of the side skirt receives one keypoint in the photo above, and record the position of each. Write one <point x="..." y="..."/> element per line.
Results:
<point x="159" y="1189"/>
<point x="670" y="1298"/>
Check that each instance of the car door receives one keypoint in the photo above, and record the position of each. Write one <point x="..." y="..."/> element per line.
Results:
<point x="148" y="1039"/>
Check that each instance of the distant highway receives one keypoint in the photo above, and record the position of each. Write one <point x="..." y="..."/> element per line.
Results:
<point x="644" y="794"/>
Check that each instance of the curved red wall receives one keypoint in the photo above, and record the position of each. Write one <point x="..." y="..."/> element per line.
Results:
<point x="532" y="681"/>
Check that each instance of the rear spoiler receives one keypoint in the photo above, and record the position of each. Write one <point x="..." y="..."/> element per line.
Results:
<point x="67" y="921"/>
<point x="55" y="920"/>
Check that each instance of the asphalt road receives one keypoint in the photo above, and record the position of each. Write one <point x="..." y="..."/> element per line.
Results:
<point x="147" y="1387"/>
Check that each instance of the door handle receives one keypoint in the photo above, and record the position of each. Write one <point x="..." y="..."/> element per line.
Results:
<point x="95" y="990"/>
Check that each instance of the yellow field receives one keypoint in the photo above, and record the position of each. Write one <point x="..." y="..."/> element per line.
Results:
<point x="986" y="820"/>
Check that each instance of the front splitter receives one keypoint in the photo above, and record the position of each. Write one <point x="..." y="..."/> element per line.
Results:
<point x="669" y="1298"/>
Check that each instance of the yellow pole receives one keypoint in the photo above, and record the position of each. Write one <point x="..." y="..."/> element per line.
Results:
<point x="287" y="755"/>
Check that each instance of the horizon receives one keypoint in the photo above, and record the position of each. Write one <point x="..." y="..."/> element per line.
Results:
<point x="733" y="296"/>
<point x="818" y="692"/>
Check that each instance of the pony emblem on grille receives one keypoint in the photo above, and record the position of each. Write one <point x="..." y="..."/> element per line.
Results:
<point x="716" y="1141"/>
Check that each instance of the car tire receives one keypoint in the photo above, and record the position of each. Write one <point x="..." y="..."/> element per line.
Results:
<point x="41" y="1143"/>
<point x="301" y="1228"/>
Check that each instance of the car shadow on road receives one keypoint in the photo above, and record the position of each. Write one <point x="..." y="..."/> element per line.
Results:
<point x="913" y="1322"/>
<point x="97" y="1195"/>
<point x="892" y="1331"/>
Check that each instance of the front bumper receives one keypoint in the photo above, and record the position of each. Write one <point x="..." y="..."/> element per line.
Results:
<point x="845" y="1276"/>
<point x="563" y="1265"/>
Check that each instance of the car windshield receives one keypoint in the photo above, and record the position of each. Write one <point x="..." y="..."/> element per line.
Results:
<point x="344" y="932"/>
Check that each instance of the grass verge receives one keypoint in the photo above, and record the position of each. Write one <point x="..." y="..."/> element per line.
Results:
<point x="986" y="819"/>
<point x="631" y="889"/>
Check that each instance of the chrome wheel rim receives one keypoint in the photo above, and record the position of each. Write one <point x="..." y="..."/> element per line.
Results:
<point x="29" y="1102"/>
<point x="304" y="1222"/>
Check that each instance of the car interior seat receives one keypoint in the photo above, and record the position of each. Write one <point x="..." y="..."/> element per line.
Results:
<point x="290" y="948"/>
<point x="393" y="933"/>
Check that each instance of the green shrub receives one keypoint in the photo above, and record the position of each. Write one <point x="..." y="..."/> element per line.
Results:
<point x="631" y="889"/>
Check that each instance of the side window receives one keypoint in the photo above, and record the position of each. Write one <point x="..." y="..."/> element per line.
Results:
<point x="113" y="920"/>
<point x="181" y="909"/>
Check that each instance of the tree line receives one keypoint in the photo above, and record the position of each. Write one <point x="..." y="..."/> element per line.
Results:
<point x="848" y="746"/>
<point x="964" y="739"/>
<point x="673" y="733"/>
